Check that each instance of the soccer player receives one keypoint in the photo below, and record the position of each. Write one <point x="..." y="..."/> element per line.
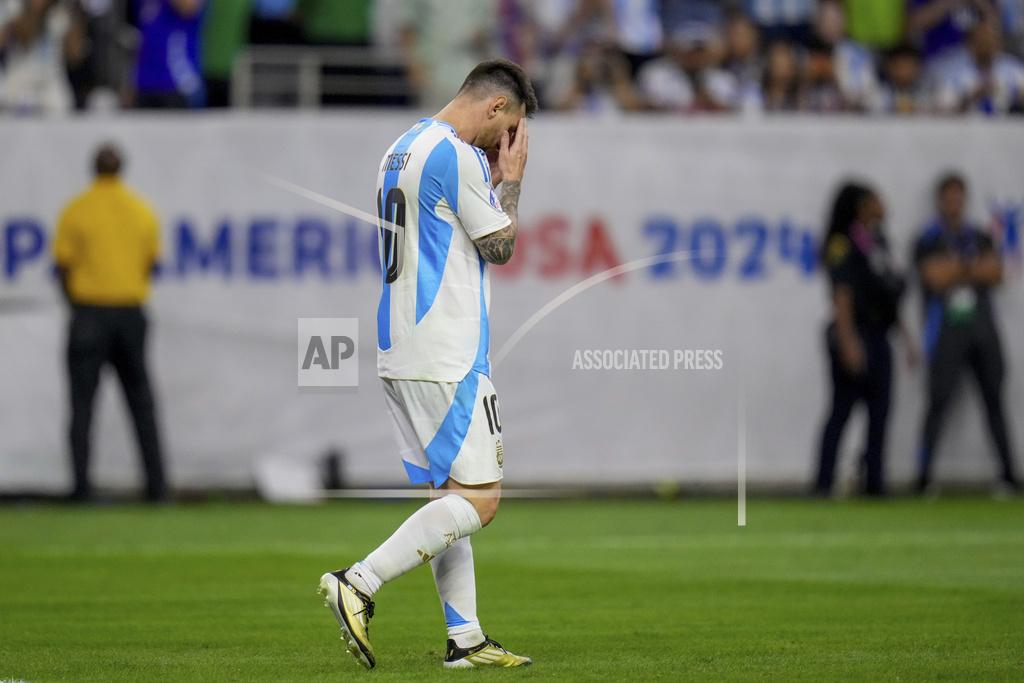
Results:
<point x="441" y="224"/>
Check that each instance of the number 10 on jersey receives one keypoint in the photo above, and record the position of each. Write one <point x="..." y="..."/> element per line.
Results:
<point x="391" y="212"/>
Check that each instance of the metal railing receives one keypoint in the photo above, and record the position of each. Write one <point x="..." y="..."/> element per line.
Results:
<point x="304" y="76"/>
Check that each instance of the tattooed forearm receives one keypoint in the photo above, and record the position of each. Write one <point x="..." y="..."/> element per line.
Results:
<point x="510" y="199"/>
<point x="497" y="247"/>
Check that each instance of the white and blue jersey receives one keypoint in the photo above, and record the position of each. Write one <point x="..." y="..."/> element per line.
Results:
<point x="435" y="197"/>
<point x="959" y="78"/>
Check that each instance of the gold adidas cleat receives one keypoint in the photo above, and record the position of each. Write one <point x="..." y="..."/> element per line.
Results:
<point x="487" y="653"/>
<point x="353" y="611"/>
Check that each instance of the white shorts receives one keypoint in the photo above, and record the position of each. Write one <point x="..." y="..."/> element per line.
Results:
<point x="447" y="429"/>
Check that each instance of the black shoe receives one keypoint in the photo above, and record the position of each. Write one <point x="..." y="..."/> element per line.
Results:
<point x="79" y="496"/>
<point x="158" y="497"/>
<point x="922" y="485"/>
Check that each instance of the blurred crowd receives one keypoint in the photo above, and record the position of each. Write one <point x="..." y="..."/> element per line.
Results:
<point x="600" y="56"/>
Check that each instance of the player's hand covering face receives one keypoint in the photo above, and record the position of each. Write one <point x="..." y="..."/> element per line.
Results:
<point x="509" y="163"/>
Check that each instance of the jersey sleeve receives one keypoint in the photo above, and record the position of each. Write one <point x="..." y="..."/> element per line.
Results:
<point x="479" y="209"/>
<point x="838" y="255"/>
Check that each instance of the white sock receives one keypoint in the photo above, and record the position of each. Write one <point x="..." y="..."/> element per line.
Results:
<point x="456" y="586"/>
<point x="362" y="577"/>
<point x="425" y="534"/>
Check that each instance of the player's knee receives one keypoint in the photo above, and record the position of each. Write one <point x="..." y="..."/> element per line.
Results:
<point x="486" y="508"/>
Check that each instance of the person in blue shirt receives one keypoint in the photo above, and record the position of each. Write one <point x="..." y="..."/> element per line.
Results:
<point x="958" y="266"/>
<point x="168" y="72"/>
<point x="942" y="25"/>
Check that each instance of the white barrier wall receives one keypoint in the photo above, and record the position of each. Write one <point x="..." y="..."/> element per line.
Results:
<point x="244" y="258"/>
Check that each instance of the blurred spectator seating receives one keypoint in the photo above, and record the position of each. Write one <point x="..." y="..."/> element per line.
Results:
<point x="38" y="40"/>
<point x="877" y="57"/>
<point x="981" y="77"/>
<point x="304" y="76"/>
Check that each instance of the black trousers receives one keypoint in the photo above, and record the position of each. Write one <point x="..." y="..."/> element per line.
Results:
<point x="975" y="346"/>
<point x="116" y="335"/>
<point x="873" y="387"/>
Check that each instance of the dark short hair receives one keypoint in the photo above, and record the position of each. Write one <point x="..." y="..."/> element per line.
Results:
<point x="505" y="76"/>
<point x="948" y="180"/>
<point x="903" y="50"/>
<point x="818" y="46"/>
<point x="108" y="160"/>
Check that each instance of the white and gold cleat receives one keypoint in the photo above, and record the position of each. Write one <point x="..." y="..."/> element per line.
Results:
<point x="487" y="653"/>
<point x="353" y="610"/>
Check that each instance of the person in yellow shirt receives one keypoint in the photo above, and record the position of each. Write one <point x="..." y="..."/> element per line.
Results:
<point x="107" y="243"/>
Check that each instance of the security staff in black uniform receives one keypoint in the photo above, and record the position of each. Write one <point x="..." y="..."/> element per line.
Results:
<point x="866" y="289"/>
<point x="958" y="265"/>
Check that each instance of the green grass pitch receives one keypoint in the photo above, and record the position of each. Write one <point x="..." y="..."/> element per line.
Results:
<point x="598" y="590"/>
